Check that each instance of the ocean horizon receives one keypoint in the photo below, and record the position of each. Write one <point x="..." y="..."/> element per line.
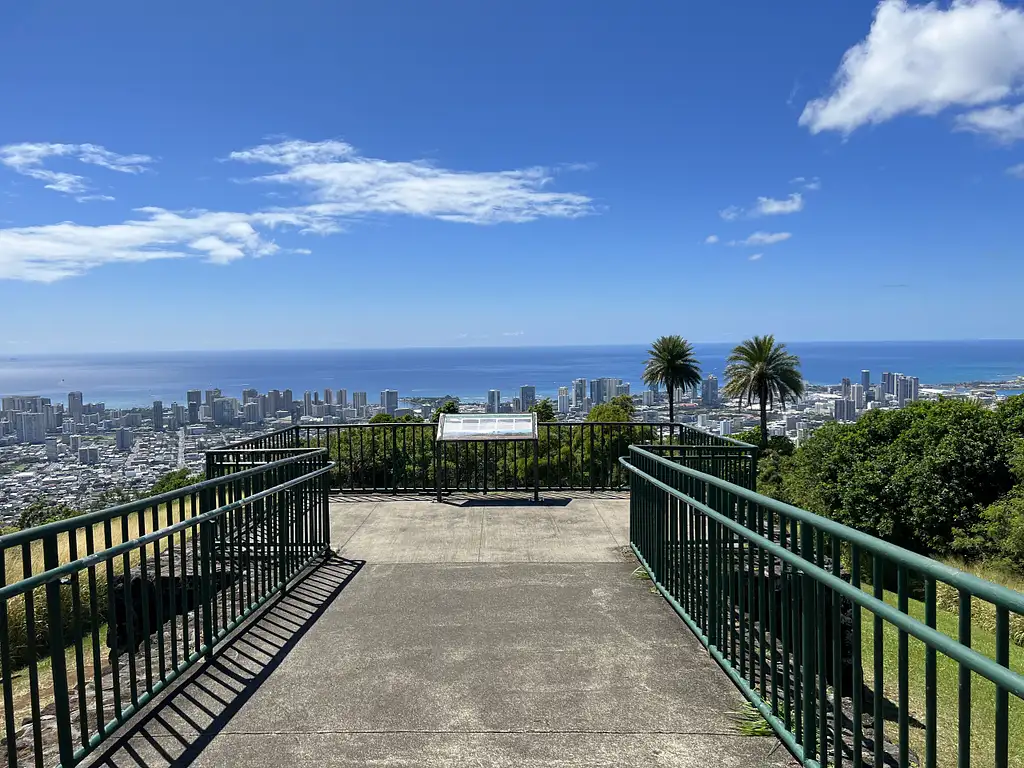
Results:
<point x="137" y="378"/>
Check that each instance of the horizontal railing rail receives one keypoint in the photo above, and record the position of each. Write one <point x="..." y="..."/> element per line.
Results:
<point x="792" y="605"/>
<point x="403" y="457"/>
<point x="165" y="579"/>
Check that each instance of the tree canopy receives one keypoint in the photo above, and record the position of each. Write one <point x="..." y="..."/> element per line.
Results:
<point x="545" y="409"/>
<point x="761" y="369"/>
<point x="671" y="362"/>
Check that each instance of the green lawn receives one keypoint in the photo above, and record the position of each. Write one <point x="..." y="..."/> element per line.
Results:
<point x="982" y="691"/>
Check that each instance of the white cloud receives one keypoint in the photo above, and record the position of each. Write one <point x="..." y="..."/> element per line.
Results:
<point x="1003" y="123"/>
<point x="767" y="206"/>
<point x="512" y="333"/>
<point x="755" y="257"/>
<point x="1016" y="170"/>
<point x="342" y="183"/>
<point x="711" y="239"/>
<point x="27" y="159"/>
<point x="343" y="186"/>
<point x="731" y="213"/>
<point x="922" y="59"/>
<point x="55" y="251"/>
<point x="763" y="238"/>
<point x="811" y="185"/>
<point x="89" y="198"/>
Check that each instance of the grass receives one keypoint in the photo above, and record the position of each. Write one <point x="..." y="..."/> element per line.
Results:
<point x="750" y="722"/>
<point x="982" y="691"/>
<point x="17" y="629"/>
<point x="984" y="613"/>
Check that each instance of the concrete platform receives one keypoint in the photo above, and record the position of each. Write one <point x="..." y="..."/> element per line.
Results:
<point x="458" y="635"/>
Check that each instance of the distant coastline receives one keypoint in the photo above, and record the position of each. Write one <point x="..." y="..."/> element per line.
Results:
<point x="132" y="379"/>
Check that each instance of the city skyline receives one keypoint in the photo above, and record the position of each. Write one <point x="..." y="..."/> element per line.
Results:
<point x="746" y="149"/>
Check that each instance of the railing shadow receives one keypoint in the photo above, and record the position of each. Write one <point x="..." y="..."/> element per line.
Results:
<point x="175" y="728"/>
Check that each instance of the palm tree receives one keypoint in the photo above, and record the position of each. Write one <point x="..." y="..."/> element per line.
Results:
<point x="671" y="362"/>
<point x="762" y="369"/>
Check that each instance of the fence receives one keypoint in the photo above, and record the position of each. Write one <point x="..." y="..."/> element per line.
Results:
<point x="403" y="457"/>
<point x="170" y="575"/>
<point x="765" y="587"/>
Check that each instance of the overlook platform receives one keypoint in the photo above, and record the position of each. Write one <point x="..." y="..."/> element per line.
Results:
<point x="483" y="631"/>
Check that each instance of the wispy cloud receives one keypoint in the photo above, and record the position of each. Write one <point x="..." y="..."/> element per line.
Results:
<point x="923" y="59"/>
<point x="769" y="206"/>
<point x="512" y="333"/>
<point x="711" y="239"/>
<point x="1004" y="124"/>
<point x="731" y="213"/>
<point x="755" y="257"/>
<point x="342" y="185"/>
<point x="763" y="238"/>
<point x="809" y="184"/>
<point x="1016" y="170"/>
<point x="28" y="158"/>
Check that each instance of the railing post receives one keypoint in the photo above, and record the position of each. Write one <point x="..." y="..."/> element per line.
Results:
<point x="593" y="480"/>
<point x="58" y="664"/>
<point x="206" y="591"/>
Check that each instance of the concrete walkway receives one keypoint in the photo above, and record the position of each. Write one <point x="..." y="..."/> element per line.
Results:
<point x="472" y="633"/>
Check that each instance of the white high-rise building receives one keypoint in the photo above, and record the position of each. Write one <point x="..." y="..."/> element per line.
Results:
<point x="389" y="401"/>
<point x="563" y="399"/>
<point x="725" y="427"/>
<point x="494" y="401"/>
<point x="359" y="401"/>
<point x="307" y="403"/>
<point x="857" y="395"/>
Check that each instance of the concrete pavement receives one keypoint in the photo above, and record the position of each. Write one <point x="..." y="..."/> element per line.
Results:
<point x="459" y="634"/>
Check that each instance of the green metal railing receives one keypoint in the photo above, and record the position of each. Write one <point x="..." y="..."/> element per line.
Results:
<point x="164" y="578"/>
<point x="778" y="596"/>
<point x="404" y="457"/>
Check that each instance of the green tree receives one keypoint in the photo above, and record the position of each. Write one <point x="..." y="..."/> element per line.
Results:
<point x="780" y="444"/>
<point x="449" y="406"/>
<point x="382" y="418"/>
<point x="918" y="476"/>
<point x="606" y="412"/>
<point x="762" y="369"/>
<point x="43" y="511"/>
<point x="545" y="409"/>
<point x="671" y="362"/>
<point x="172" y="481"/>
<point x="625" y="402"/>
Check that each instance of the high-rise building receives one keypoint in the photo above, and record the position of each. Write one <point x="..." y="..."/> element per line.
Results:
<point x="649" y="398"/>
<point x="307" y="403"/>
<point x="865" y="379"/>
<point x="51" y="449"/>
<point x="846" y="388"/>
<point x="158" y="416"/>
<point x="249" y="394"/>
<point x="389" y="401"/>
<point x="493" y="401"/>
<point x="621" y="389"/>
<point x="889" y="382"/>
<point x="287" y="401"/>
<point x="579" y="392"/>
<point x="527" y="397"/>
<point x="563" y="399"/>
<point x="211" y="395"/>
<point x="725" y="427"/>
<point x="88" y="454"/>
<point x="857" y="395"/>
<point x="252" y="412"/>
<point x="359" y="402"/>
<point x="30" y="427"/>
<point x="328" y="396"/>
<point x="195" y="400"/>
<point x="125" y="439"/>
<point x="75" y="405"/>
<point x="517" y="404"/>
<point x="709" y="390"/>
<point x="596" y="392"/>
<point x="880" y="393"/>
<point x="845" y="410"/>
<point x="225" y="411"/>
<point x="915" y="386"/>
<point x="343" y="398"/>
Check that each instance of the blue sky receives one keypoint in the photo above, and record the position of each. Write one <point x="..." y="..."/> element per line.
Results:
<point x="327" y="174"/>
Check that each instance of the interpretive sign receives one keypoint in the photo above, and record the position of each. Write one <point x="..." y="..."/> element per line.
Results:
<point x="485" y="428"/>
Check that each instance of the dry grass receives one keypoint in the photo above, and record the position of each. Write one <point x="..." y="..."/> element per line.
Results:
<point x="26" y="641"/>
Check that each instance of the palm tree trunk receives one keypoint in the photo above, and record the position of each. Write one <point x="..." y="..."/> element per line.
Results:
<point x="764" y="419"/>
<point x="671" y="406"/>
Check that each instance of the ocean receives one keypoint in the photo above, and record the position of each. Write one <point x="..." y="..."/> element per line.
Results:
<point x="137" y="378"/>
